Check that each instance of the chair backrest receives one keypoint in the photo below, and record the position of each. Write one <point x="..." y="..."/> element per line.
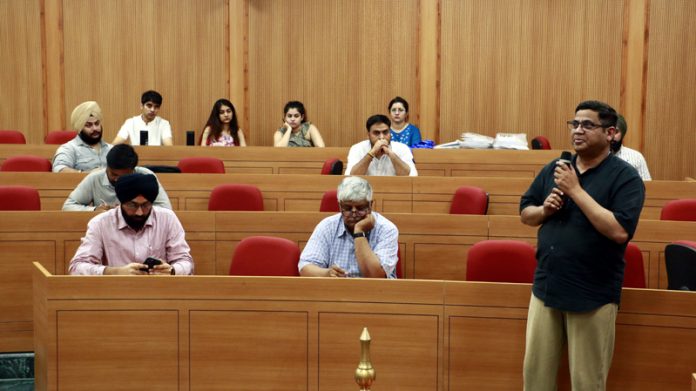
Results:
<point x="329" y="202"/>
<point x="469" y="200"/>
<point x="399" y="267"/>
<point x="235" y="197"/>
<point x="19" y="198"/>
<point x="26" y="163"/>
<point x="12" y="137"/>
<point x="680" y="260"/>
<point x="679" y="210"/>
<point x="333" y="166"/>
<point x="634" y="273"/>
<point x="59" y="136"/>
<point x="540" y="142"/>
<point x="501" y="261"/>
<point x="265" y="256"/>
<point x="201" y="165"/>
<point x="157" y="169"/>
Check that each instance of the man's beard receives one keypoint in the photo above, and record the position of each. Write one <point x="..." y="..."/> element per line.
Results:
<point x="90" y="140"/>
<point x="615" y="145"/>
<point x="135" y="222"/>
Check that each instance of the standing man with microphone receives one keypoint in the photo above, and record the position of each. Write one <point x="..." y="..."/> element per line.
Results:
<point x="587" y="207"/>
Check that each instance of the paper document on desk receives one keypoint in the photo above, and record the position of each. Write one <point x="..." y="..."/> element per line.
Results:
<point x="475" y="141"/>
<point x="516" y="141"/>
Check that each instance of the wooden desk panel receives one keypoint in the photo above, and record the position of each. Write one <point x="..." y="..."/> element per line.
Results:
<point x="270" y="160"/>
<point x="432" y="247"/>
<point x="429" y="335"/>
<point x="303" y="192"/>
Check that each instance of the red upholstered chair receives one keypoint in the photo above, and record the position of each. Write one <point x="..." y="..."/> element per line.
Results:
<point x="540" y="142"/>
<point x="12" y="137"/>
<point x="469" y="200"/>
<point x="201" y="165"/>
<point x="26" y="163"/>
<point x="634" y="273"/>
<point x="680" y="260"/>
<point x="679" y="210"/>
<point x="329" y="202"/>
<point x="19" y="198"/>
<point x="235" y="197"/>
<point x="265" y="256"/>
<point x="333" y="166"/>
<point x="501" y="261"/>
<point x="399" y="268"/>
<point x="59" y="136"/>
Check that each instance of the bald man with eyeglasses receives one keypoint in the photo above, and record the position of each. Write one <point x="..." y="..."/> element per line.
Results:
<point x="357" y="242"/>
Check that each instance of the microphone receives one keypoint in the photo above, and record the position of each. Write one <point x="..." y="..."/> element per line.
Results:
<point x="566" y="157"/>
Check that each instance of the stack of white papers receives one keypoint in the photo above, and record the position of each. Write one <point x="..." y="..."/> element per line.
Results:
<point x="475" y="140"/>
<point x="516" y="141"/>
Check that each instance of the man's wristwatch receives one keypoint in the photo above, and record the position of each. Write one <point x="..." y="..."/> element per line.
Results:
<point x="360" y="235"/>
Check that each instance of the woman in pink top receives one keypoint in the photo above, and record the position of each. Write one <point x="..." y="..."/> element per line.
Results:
<point x="222" y="128"/>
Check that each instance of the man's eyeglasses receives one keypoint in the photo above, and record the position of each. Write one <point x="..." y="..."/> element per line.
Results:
<point x="359" y="211"/>
<point x="586" y="125"/>
<point x="134" y="206"/>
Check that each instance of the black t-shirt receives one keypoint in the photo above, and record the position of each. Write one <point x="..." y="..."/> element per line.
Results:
<point x="578" y="268"/>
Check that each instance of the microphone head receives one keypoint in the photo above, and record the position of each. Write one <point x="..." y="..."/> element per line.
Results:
<point x="566" y="157"/>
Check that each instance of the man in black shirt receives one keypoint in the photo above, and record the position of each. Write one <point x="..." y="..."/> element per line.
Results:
<point x="588" y="211"/>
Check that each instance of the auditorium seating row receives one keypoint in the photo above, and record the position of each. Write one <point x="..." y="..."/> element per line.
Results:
<point x="266" y="333"/>
<point x="432" y="246"/>
<point x="270" y="160"/>
<point x="303" y="193"/>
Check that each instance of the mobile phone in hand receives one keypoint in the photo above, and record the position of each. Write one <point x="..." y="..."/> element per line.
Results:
<point x="150" y="262"/>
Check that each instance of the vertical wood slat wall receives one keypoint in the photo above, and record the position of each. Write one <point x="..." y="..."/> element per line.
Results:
<point x="464" y="65"/>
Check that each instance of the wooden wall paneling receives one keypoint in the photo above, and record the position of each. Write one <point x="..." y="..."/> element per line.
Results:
<point x="524" y="66"/>
<point x="54" y="72"/>
<point x="429" y="67"/>
<point x="633" y="64"/>
<point x="21" y="75"/>
<point x="192" y="61"/>
<point x="238" y="30"/>
<point x="111" y="60"/>
<point x="336" y="57"/>
<point x="669" y="112"/>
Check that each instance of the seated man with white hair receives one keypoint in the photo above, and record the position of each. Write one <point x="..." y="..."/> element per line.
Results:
<point x="354" y="243"/>
<point x="86" y="151"/>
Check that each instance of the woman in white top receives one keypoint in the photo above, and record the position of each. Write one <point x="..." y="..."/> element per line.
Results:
<point x="222" y="128"/>
<point x="297" y="131"/>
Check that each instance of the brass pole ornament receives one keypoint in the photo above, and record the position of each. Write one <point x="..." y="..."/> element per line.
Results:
<point x="365" y="374"/>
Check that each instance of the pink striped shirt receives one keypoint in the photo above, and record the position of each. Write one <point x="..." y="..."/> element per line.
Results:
<point x="109" y="241"/>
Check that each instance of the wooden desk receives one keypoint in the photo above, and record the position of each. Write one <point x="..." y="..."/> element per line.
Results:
<point x="433" y="246"/>
<point x="297" y="192"/>
<point x="270" y="160"/>
<point x="258" y="333"/>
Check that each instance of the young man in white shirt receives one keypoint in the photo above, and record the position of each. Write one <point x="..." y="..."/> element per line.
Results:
<point x="158" y="129"/>
<point x="631" y="156"/>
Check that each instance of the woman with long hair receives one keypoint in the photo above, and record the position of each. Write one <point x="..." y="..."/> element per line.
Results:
<point x="222" y="128"/>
